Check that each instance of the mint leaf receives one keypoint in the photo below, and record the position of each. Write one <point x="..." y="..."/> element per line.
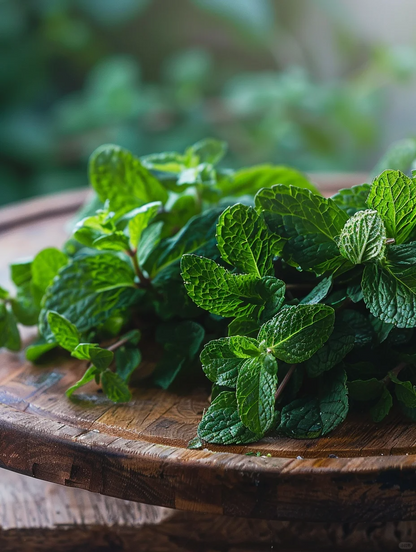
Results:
<point x="207" y="150"/>
<point x="149" y="240"/>
<point x="118" y="176"/>
<point x="360" y="326"/>
<point x="243" y="326"/>
<point x="390" y="289"/>
<point x="250" y="180"/>
<point x="307" y="224"/>
<point x="21" y="272"/>
<point x="339" y="344"/>
<point x="393" y="196"/>
<point x="363" y="238"/>
<point x="382" y="407"/>
<point x="24" y="307"/>
<point x="139" y="220"/>
<point x="128" y="359"/>
<point x="100" y="358"/>
<point x="300" y="419"/>
<point x="297" y="332"/>
<point x="114" y="387"/>
<point x="215" y="289"/>
<point x="221" y="423"/>
<point x="9" y="333"/>
<point x="89" y="290"/>
<point x="116" y="241"/>
<point x="405" y="391"/>
<point x="4" y="294"/>
<point x="333" y="400"/>
<point x="64" y="332"/>
<point x="244" y="240"/>
<point x="352" y="199"/>
<point x="318" y="293"/>
<point x="90" y="374"/>
<point x="222" y="358"/>
<point x="401" y="155"/>
<point x="365" y="390"/>
<point x="256" y="387"/>
<point x="45" y="267"/>
<point x="37" y="349"/>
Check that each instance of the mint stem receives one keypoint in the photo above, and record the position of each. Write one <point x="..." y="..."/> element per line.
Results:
<point x="285" y="381"/>
<point x="396" y="371"/>
<point x="145" y="282"/>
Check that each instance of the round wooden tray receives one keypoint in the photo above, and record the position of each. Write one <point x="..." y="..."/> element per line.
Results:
<point x="137" y="451"/>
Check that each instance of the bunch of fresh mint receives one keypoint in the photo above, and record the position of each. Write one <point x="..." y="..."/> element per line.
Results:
<point x="302" y="306"/>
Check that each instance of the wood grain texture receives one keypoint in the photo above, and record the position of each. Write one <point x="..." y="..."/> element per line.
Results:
<point x="137" y="451"/>
<point x="39" y="517"/>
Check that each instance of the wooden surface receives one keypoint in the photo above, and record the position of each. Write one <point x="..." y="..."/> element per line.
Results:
<point x="137" y="451"/>
<point x="42" y="517"/>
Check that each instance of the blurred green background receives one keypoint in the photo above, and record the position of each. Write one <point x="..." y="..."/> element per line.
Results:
<point x="319" y="85"/>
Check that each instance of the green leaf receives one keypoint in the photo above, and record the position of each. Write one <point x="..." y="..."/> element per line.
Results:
<point x="244" y="240"/>
<point x="363" y="238"/>
<point x="100" y="358"/>
<point x="355" y="293"/>
<point x="207" y="150"/>
<point x="128" y="359"/>
<point x="4" y="294"/>
<point x="64" y="332"/>
<point x="24" y="307"/>
<point x="9" y="332"/>
<point x="149" y="240"/>
<point x="45" y="267"/>
<point x="256" y="388"/>
<point x="222" y="358"/>
<point x="352" y="200"/>
<point x="89" y="290"/>
<point x="221" y="423"/>
<point x="140" y="221"/>
<point x="307" y="224"/>
<point x="390" y="289"/>
<point x="114" y="387"/>
<point x="339" y="344"/>
<point x="405" y="391"/>
<point x="319" y="292"/>
<point x="89" y="375"/>
<point x="21" y="272"/>
<point x="116" y="241"/>
<point x="181" y="343"/>
<point x="400" y="156"/>
<point x="360" y="326"/>
<point x="393" y="196"/>
<point x="382" y="407"/>
<point x="250" y="180"/>
<point x="118" y="176"/>
<point x="216" y="290"/>
<point x="300" y="419"/>
<point x="297" y="332"/>
<point x="197" y="233"/>
<point x="243" y="326"/>
<point x="381" y="329"/>
<point x="333" y="400"/>
<point x="37" y="349"/>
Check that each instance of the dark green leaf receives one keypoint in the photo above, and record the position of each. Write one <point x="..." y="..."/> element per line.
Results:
<point x="300" y="419"/>
<point x="128" y="359"/>
<point x="333" y="400"/>
<point x="405" y="391"/>
<point x="382" y="407"/>
<point x="24" y="307"/>
<point x="366" y="390"/>
<point x="221" y="423"/>
<point x="244" y="326"/>
<point x="352" y="199"/>
<point x="360" y="326"/>
<point x="114" y="387"/>
<point x="318" y="293"/>
<point x="37" y="349"/>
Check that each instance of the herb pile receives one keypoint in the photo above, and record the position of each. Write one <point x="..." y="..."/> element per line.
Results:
<point x="297" y="306"/>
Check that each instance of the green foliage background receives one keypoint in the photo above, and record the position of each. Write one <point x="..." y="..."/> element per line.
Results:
<point x="155" y="75"/>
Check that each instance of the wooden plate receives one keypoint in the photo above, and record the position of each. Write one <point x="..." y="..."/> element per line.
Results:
<point x="137" y="451"/>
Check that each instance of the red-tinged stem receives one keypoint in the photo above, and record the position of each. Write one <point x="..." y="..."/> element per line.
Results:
<point x="285" y="381"/>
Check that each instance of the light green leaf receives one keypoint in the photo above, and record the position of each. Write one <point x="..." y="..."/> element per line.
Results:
<point x="116" y="241"/>
<point x="24" y="307"/>
<point x="250" y="180"/>
<point x="4" y="294"/>
<point x="90" y="374"/>
<point x="244" y="240"/>
<point x="208" y="150"/>
<point x="114" y="387"/>
<point x="215" y="289"/>
<point x="256" y="388"/>
<point x="352" y="200"/>
<point x="390" y="290"/>
<point x="393" y="196"/>
<point x="363" y="238"/>
<point x="222" y="358"/>
<point x="64" y="332"/>
<point x="118" y="176"/>
<point x="149" y="240"/>
<point x="100" y="358"/>
<point x="37" y="349"/>
<point x="307" y="224"/>
<point x="244" y="326"/>
<point x="221" y="423"/>
<point x="89" y="290"/>
<point x="45" y="267"/>
<point x="297" y="332"/>
<point x="140" y="221"/>
<point x="319" y="292"/>
<point x="21" y="272"/>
